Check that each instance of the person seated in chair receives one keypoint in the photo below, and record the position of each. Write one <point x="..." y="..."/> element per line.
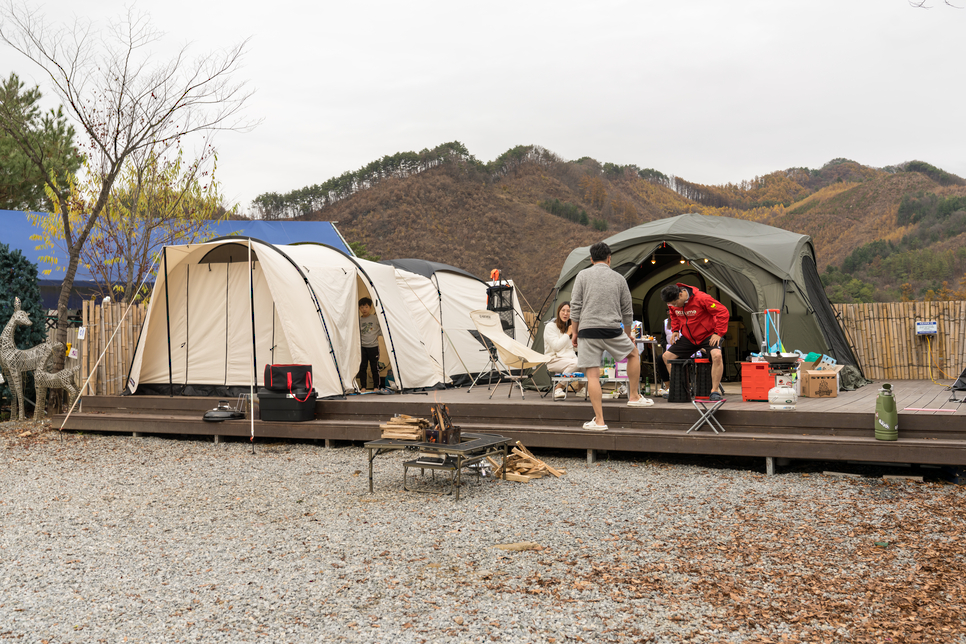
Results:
<point x="698" y="322"/>
<point x="557" y="345"/>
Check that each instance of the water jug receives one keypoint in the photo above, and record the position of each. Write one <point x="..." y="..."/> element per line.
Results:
<point x="886" y="415"/>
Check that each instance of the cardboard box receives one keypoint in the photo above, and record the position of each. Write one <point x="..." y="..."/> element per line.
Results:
<point x="822" y="367"/>
<point x="819" y="384"/>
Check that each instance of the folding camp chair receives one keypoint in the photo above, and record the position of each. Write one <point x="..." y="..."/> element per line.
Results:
<point x="510" y="354"/>
<point x="491" y="366"/>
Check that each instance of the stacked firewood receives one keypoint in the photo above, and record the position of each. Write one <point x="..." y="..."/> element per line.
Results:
<point x="405" y="427"/>
<point x="522" y="466"/>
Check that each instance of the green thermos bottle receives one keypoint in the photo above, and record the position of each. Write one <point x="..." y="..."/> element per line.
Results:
<point x="886" y="415"/>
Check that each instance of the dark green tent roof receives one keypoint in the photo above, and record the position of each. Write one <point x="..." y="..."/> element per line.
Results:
<point x="698" y="237"/>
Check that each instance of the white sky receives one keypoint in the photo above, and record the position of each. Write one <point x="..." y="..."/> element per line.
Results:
<point x="710" y="91"/>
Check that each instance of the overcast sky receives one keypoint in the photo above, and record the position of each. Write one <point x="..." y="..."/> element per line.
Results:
<point x="710" y="91"/>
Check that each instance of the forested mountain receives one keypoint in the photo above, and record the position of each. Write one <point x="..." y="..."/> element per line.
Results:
<point x="880" y="233"/>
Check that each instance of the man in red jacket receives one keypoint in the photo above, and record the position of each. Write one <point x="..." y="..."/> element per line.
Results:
<point x="698" y="321"/>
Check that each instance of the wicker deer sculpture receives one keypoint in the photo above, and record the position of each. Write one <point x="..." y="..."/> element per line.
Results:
<point x="15" y="362"/>
<point x="45" y="379"/>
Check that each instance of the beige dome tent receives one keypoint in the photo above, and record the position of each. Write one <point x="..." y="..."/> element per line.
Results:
<point x="441" y="298"/>
<point x="201" y="336"/>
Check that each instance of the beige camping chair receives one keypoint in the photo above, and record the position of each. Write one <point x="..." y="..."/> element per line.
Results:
<point x="511" y="354"/>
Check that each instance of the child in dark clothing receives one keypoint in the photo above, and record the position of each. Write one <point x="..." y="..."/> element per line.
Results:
<point x="369" y="331"/>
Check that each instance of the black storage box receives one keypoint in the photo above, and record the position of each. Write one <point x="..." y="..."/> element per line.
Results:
<point x="277" y="406"/>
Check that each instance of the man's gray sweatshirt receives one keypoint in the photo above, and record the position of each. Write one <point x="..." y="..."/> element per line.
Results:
<point x="601" y="299"/>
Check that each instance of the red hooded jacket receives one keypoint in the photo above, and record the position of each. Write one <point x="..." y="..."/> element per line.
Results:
<point x="700" y="317"/>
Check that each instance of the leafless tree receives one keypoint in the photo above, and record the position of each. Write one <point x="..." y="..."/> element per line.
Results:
<point x="123" y="96"/>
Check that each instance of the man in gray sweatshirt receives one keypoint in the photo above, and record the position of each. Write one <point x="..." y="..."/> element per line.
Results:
<point x="599" y="304"/>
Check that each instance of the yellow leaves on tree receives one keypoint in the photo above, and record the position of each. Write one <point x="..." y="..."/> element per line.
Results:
<point x="594" y="190"/>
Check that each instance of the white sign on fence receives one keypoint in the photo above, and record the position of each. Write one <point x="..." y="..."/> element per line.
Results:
<point x="927" y="328"/>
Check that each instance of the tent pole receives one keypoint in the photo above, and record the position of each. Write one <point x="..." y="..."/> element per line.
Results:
<point x="167" y="318"/>
<point x="251" y="389"/>
<point x="442" y="331"/>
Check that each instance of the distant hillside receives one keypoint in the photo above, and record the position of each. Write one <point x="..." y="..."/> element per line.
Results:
<point x="880" y="233"/>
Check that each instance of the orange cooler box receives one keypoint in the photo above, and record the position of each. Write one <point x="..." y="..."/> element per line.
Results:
<point x="756" y="381"/>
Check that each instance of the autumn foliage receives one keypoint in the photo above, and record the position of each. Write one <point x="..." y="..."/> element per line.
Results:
<point x="526" y="210"/>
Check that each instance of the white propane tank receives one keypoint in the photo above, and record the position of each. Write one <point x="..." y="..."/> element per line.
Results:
<point x="782" y="398"/>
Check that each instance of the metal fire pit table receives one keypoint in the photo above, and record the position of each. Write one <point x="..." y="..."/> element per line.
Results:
<point x="473" y="448"/>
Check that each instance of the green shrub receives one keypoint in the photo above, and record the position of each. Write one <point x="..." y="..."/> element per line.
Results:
<point x="18" y="278"/>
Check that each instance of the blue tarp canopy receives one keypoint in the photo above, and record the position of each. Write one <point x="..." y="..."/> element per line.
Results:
<point x="17" y="231"/>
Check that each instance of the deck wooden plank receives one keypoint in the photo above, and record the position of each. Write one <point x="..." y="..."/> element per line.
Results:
<point x="840" y="428"/>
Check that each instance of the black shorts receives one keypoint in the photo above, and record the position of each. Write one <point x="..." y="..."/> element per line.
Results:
<point x="684" y="348"/>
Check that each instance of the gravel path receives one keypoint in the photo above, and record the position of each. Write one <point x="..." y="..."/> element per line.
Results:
<point x="107" y="537"/>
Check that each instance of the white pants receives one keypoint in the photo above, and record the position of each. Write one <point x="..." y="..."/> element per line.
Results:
<point x="562" y="365"/>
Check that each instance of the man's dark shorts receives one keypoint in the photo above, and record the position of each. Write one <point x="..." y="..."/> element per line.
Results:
<point x="684" y="348"/>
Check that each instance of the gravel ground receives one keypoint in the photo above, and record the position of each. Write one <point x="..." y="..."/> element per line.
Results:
<point x="113" y="538"/>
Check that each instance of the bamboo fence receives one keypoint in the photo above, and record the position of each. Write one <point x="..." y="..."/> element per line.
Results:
<point x="99" y="322"/>
<point x="883" y="336"/>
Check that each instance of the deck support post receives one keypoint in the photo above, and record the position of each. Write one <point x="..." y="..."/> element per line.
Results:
<point x="328" y="443"/>
<point x="217" y="439"/>
<point x="591" y="456"/>
<point x="770" y="466"/>
<point x="136" y="434"/>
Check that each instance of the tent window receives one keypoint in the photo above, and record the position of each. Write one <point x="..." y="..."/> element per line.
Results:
<point x="227" y="254"/>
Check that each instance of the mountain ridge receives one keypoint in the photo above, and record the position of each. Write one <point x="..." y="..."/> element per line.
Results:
<point x="526" y="210"/>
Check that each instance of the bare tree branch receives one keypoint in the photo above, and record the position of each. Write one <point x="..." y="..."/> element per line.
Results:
<point x="921" y="4"/>
<point x="112" y="84"/>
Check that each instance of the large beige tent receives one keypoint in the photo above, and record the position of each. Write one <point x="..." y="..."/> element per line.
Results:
<point x="441" y="298"/>
<point x="201" y="336"/>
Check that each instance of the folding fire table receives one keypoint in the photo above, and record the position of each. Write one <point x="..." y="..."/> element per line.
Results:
<point x="473" y="448"/>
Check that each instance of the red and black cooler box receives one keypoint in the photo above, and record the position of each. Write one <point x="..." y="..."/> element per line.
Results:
<point x="288" y="394"/>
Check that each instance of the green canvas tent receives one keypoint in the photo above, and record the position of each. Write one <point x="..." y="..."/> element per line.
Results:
<point x="748" y="266"/>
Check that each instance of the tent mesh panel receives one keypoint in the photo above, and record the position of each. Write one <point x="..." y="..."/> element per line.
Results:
<point x="825" y="315"/>
<point x="499" y="299"/>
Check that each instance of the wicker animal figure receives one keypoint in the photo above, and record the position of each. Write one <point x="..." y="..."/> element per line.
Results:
<point x="44" y="379"/>
<point x="17" y="361"/>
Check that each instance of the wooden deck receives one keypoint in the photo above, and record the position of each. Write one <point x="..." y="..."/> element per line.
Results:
<point x="819" y="429"/>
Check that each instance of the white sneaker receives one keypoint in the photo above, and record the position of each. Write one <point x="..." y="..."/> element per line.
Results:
<point x="560" y="394"/>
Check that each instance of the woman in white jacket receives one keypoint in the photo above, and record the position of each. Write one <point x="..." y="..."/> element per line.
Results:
<point x="558" y="345"/>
